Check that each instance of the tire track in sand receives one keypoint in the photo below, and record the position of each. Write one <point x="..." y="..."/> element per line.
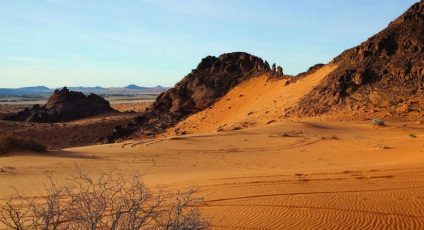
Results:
<point x="146" y="143"/>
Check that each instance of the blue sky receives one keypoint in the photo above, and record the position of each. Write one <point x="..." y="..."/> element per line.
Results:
<point x="157" y="42"/>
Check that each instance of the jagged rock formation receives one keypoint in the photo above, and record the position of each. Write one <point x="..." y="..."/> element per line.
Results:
<point x="280" y="70"/>
<point x="386" y="71"/>
<point x="206" y="84"/>
<point x="65" y="105"/>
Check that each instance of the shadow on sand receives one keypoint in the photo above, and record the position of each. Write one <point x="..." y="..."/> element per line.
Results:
<point x="57" y="154"/>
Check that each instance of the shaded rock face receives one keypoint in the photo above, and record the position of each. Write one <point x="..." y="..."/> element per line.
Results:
<point x="206" y="84"/>
<point x="280" y="70"/>
<point x="65" y="105"/>
<point x="385" y="71"/>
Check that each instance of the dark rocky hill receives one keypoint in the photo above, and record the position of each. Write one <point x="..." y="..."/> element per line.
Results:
<point x="386" y="72"/>
<point x="206" y="84"/>
<point x="65" y="105"/>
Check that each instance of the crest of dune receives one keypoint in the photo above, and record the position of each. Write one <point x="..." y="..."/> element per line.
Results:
<point x="257" y="101"/>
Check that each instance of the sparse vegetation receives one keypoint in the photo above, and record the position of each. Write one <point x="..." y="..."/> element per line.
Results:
<point x="235" y="128"/>
<point x="412" y="135"/>
<point x="10" y="141"/>
<point x="378" y="122"/>
<point x="110" y="201"/>
<point x="271" y="121"/>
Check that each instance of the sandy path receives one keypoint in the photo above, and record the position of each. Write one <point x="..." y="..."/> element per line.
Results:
<point x="290" y="175"/>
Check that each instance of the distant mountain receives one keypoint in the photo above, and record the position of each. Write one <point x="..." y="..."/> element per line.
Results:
<point x="82" y="88"/>
<point x="43" y="90"/>
<point x="39" y="90"/>
<point x="132" y="86"/>
<point x="34" y="88"/>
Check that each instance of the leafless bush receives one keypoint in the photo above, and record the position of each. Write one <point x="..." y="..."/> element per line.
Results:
<point x="179" y="212"/>
<point x="14" y="214"/>
<point x="110" y="201"/>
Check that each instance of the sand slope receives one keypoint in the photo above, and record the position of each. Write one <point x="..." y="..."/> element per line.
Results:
<point x="290" y="175"/>
<point x="255" y="102"/>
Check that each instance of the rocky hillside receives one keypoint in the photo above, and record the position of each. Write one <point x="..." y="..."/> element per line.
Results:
<point x="65" y="105"/>
<point x="206" y="84"/>
<point x="385" y="73"/>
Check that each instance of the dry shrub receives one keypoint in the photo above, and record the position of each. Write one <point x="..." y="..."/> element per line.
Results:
<point x="378" y="122"/>
<point x="110" y="201"/>
<point x="10" y="141"/>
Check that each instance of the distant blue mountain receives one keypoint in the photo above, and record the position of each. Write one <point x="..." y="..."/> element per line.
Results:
<point x="82" y="88"/>
<point x="34" y="88"/>
<point x="26" y="90"/>
<point x="132" y="86"/>
<point x="43" y="90"/>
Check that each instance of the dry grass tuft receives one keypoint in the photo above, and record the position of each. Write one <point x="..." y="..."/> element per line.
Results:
<point x="9" y="142"/>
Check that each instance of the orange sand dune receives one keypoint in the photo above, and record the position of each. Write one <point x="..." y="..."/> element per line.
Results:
<point x="289" y="175"/>
<point x="255" y="102"/>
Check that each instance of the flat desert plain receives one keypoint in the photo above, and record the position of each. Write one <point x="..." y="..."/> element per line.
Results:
<point x="285" y="175"/>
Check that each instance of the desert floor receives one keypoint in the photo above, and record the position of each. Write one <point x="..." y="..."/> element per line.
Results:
<point x="88" y="131"/>
<point x="286" y="175"/>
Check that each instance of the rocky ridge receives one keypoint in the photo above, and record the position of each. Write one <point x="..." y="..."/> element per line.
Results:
<point x="385" y="73"/>
<point x="64" y="105"/>
<point x="211" y="80"/>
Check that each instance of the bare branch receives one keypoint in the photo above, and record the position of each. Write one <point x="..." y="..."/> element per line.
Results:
<point x="109" y="201"/>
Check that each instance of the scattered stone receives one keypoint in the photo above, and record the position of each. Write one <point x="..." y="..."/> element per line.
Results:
<point x="378" y="122"/>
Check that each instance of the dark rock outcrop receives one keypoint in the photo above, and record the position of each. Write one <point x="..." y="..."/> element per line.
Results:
<point x="385" y="71"/>
<point x="206" y="84"/>
<point x="65" y="105"/>
<point x="280" y="70"/>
